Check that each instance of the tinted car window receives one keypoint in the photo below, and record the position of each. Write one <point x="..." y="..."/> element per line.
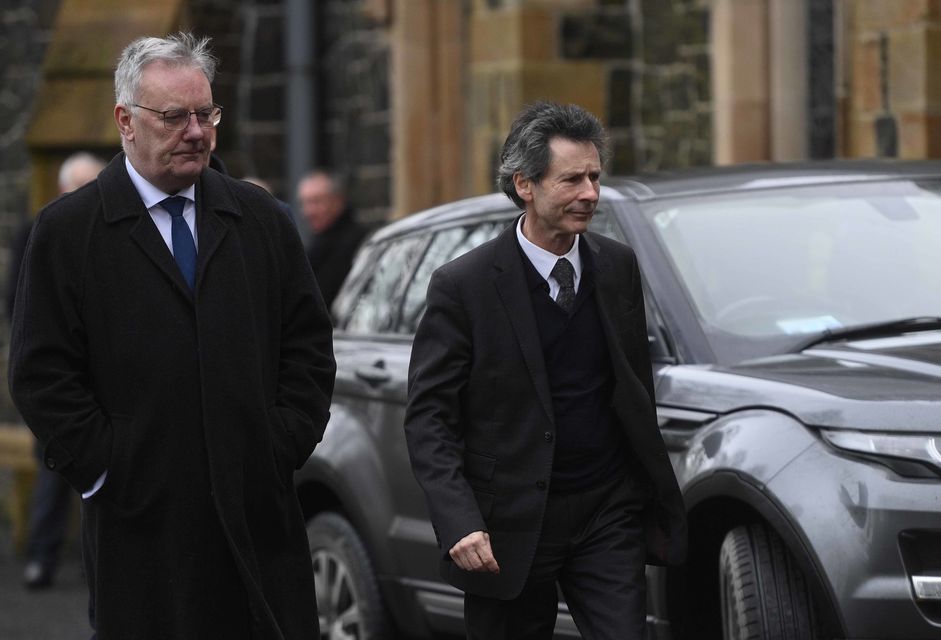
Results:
<point x="445" y="246"/>
<point x="767" y="269"/>
<point x="375" y="307"/>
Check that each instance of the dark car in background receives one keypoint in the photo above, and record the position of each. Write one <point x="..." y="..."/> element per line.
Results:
<point x="794" y="318"/>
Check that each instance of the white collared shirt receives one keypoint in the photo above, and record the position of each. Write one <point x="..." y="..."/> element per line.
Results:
<point x="152" y="196"/>
<point x="544" y="260"/>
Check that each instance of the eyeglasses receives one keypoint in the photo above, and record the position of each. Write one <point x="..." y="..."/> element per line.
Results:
<point x="179" y="119"/>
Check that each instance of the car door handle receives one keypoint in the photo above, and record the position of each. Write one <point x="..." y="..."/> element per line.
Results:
<point x="374" y="375"/>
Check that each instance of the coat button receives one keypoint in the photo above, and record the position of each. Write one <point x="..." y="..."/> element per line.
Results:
<point x="541" y="485"/>
<point x="50" y="463"/>
<point x="548" y="436"/>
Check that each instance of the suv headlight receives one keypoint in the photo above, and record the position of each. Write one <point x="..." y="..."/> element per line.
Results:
<point x="911" y="455"/>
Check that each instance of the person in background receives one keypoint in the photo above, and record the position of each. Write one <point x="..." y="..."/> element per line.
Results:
<point x="334" y="232"/>
<point x="259" y="182"/>
<point x="52" y="497"/>
<point x="172" y="353"/>
<point x="531" y="421"/>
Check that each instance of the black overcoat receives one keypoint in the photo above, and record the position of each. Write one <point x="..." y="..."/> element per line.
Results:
<point x="199" y="405"/>
<point x="480" y="407"/>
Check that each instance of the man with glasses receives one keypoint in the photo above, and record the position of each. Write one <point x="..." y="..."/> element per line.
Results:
<point x="172" y="353"/>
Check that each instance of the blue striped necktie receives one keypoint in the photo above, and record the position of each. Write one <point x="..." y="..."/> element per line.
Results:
<point x="184" y="249"/>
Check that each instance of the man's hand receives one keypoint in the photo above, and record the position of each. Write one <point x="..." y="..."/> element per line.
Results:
<point x="473" y="553"/>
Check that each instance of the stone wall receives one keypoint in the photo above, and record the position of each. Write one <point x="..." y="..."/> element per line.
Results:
<point x="642" y="65"/>
<point x="895" y="92"/>
<point x="25" y="29"/>
<point x="355" y="118"/>
<point x="351" y="76"/>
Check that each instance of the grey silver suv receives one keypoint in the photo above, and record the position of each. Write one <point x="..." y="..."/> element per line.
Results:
<point x="794" y="318"/>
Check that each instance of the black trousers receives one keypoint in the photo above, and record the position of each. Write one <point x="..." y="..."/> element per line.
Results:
<point x="592" y="546"/>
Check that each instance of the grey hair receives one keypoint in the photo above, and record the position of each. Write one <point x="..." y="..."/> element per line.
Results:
<point x="526" y="149"/>
<point x="179" y="50"/>
<point x="338" y="181"/>
<point x="78" y="169"/>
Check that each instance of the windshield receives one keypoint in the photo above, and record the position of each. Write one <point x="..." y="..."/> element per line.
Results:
<point x="764" y="270"/>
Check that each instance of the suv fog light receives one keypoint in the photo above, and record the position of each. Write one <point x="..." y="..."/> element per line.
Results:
<point x="927" y="587"/>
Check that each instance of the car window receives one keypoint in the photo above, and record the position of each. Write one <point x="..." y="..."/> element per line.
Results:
<point x="446" y="245"/>
<point x="375" y="306"/>
<point x="365" y="259"/>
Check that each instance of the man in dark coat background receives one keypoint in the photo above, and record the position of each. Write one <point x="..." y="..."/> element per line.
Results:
<point x="334" y="232"/>
<point x="174" y="357"/>
<point x="531" y="420"/>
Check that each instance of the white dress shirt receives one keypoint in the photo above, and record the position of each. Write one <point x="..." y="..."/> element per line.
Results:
<point x="152" y="196"/>
<point x="544" y="260"/>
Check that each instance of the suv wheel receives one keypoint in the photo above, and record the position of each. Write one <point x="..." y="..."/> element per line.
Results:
<point x="764" y="594"/>
<point x="348" y="600"/>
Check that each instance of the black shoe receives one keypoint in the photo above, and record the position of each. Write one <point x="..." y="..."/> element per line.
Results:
<point x="37" y="575"/>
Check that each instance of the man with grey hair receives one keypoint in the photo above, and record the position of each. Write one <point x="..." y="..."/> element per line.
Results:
<point x="531" y="421"/>
<point x="172" y="353"/>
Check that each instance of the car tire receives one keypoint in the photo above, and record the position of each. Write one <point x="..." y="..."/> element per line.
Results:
<point x="349" y="604"/>
<point x="763" y="593"/>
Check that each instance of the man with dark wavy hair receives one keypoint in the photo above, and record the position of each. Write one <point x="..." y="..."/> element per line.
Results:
<point x="172" y="353"/>
<point x="531" y="419"/>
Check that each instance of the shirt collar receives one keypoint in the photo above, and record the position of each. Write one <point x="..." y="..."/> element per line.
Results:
<point x="544" y="260"/>
<point x="151" y="195"/>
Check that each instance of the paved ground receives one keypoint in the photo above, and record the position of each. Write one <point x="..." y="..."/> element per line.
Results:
<point x="57" y="613"/>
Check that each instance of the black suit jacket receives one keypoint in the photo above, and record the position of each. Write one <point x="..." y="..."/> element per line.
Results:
<point x="480" y="409"/>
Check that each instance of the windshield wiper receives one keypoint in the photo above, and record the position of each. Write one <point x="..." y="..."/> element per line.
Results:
<point x="873" y="329"/>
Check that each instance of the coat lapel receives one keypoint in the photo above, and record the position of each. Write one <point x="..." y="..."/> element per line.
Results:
<point x="119" y="201"/>
<point x="511" y="286"/>
<point x="612" y="304"/>
<point x="213" y="200"/>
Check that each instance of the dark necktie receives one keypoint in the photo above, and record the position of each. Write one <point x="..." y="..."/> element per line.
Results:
<point x="184" y="249"/>
<point x="564" y="274"/>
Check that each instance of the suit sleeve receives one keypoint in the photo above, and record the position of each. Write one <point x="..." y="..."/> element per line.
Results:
<point x="48" y="369"/>
<point x="306" y="366"/>
<point x="438" y="371"/>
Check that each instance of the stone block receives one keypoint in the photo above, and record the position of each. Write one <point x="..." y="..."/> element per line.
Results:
<point x="581" y="83"/>
<point x="623" y="155"/>
<point x="601" y="34"/>
<point x="512" y="35"/>
<point x="370" y="189"/>
<point x="74" y="113"/>
<point x="370" y="142"/>
<point x="908" y="73"/>
<point x="482" y="165"/>
<point x="692" y="27"/>
<point x="932" y="78"/>
<point x="746" y="137"/>
<point x="267" y="103"/>
<point x="866" y="78"/>
<point x="90" y="35"/>
<point x="679" y="90"/>
<point x="266" y="149"/>
<point x="882" y="15"/>
<point x="269" y="45"/>
<point x="862" y="137"/>
<point x="652" y="102"/>
<point x="919" y="135"/>
<point x="619" y="97"/>
<point x="702" y="76"/>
